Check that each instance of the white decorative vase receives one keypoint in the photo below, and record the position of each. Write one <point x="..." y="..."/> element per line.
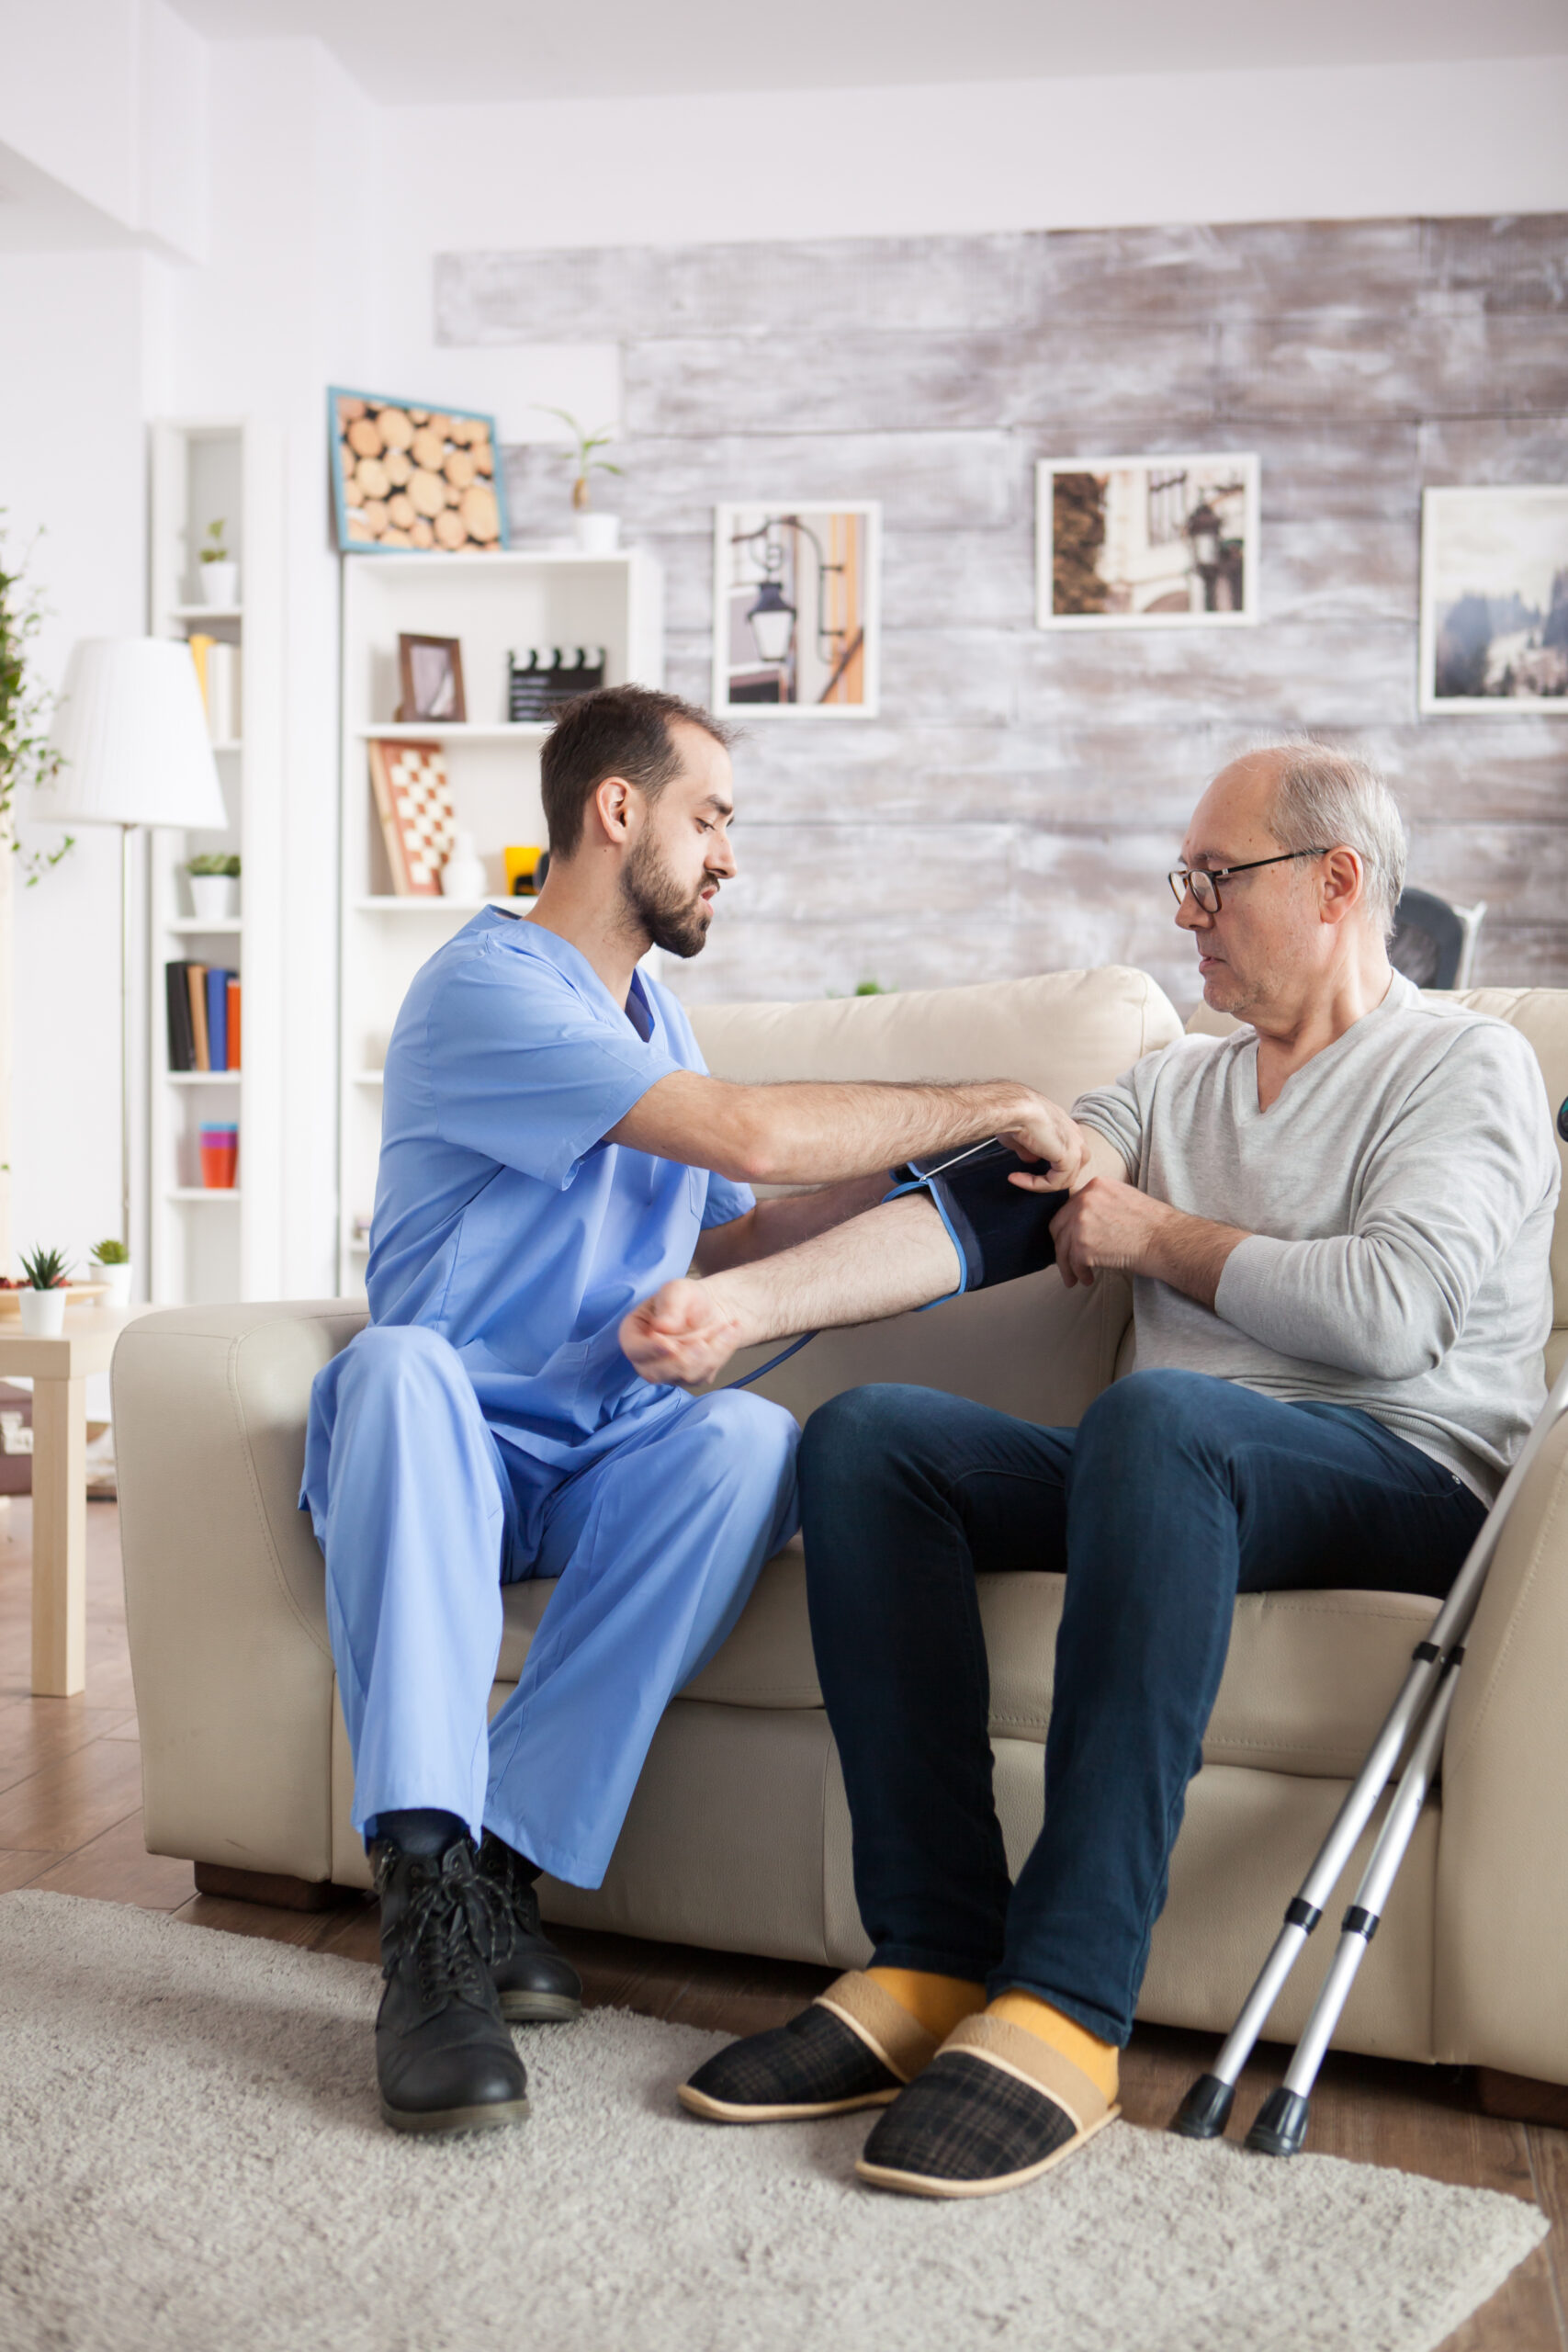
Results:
<point x="220" y="583"/>
<point x="597" y="534"/>
<point x="463" y="875"/>
<point x="214" y="897"/>
<point x="118" y="1279"/>
<point x="43" y="1314"/>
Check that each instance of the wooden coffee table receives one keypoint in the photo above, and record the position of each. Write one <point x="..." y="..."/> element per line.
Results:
<point x="59" y="1370"/>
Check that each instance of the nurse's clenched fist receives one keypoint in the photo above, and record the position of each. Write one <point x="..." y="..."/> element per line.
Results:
<point x="688" y="1331"/>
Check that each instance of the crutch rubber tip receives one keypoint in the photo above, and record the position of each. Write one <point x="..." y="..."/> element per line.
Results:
<point x="1281" y="2125"/>
<point x="1205" y="2110"/>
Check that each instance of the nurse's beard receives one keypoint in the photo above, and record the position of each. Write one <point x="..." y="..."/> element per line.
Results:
<point x="677" y="924"/>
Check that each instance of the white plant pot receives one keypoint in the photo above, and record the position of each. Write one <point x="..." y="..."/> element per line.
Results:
<point x="214" y="897"/>
<point x="220" y="583"/>
<point x="43" y="1314"/>
<point x="463" y="875"/>
<point x="118" y="1279"/>
<point x="597" y="534"/>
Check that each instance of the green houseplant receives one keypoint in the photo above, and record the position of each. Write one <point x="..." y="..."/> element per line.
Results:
<point x="28" y="761"/>
<point x="111" y="1264"/>
<point x="596" y="534"/>
<point x="43" y="1301"/>
<point x="214" y="880"/>
<point x="218" y="571"/>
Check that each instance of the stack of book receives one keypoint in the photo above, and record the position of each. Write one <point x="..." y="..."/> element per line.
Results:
<point x="217" y="674"/>
<point x="204" y="1017"/>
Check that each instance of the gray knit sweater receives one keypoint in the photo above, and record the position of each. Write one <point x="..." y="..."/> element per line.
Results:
<point x="1398" y="1198"/>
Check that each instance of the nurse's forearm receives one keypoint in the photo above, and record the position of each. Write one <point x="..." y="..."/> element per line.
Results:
<point x="782" y="1224"/>
<point x="811" y="1132"/>
<point x="893" y="1257"/>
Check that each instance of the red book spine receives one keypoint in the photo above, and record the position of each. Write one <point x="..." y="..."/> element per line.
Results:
<point x="233" y="997"/>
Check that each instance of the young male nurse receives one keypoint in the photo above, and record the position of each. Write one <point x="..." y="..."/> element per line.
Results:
<point x="553" y="1152"/>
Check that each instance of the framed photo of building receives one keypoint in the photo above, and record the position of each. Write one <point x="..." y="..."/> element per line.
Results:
<point x="1168" y="542"/>
<point x="1495" y="601"/>
<point x="797" y="609"/>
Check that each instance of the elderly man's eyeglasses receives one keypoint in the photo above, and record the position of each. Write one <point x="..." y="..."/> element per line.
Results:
<point x="1205" y="885"/>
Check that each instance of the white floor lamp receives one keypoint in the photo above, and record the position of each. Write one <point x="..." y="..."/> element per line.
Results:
<point x="131" y="730"/>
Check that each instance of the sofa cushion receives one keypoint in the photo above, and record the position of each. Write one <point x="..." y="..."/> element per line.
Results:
<point x="1308" y="1681"/>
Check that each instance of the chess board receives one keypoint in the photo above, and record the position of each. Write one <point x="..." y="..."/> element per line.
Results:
<point x="413" y="800"/>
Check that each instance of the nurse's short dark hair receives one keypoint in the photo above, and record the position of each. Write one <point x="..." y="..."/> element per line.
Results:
<point x="620" y="730"/>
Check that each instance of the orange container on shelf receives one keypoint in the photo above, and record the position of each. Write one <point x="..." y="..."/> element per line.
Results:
<point x="219" y="1158"/>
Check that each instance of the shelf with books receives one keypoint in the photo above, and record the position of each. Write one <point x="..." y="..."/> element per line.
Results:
<point x="495" y="605"/>
<point x="204" y="472"/>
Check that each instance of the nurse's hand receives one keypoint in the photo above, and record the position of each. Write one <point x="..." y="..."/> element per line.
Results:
<point x="685" y="1332"/>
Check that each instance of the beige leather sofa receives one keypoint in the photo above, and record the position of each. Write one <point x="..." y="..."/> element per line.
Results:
<point x="738" y="1837"/>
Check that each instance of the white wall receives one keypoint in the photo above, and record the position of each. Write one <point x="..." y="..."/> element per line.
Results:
<point x="276" y="232"/>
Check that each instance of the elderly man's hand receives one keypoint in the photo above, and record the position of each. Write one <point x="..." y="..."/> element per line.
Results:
<point x="1107" y="1224"/>
<point x="688" y="1331"/>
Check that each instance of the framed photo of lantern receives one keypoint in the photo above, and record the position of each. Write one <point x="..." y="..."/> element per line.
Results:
<point x="1146" y="542"/>
<point x="797" y="609"/>
<point x="411" y="477"/>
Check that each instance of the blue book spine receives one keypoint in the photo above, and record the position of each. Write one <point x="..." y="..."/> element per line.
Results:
<point x="218" y="1019"/>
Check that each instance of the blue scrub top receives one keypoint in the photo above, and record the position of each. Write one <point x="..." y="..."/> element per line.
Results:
<point x="503" y="1219"/>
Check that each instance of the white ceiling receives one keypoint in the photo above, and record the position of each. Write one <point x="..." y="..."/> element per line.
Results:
<point x="403" y="51"/>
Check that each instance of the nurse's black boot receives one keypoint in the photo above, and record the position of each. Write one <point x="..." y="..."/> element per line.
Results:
<point x="444" y="2059"/>
<point x="536" y="1983"/>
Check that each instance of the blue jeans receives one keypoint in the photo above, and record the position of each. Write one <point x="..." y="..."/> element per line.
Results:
<point x="1176" y="1492"/>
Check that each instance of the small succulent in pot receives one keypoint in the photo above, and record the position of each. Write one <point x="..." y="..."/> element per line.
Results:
<point x="43" y="1301"/>
<point x="214" y="882"/>
<point x="111" y="1264"/>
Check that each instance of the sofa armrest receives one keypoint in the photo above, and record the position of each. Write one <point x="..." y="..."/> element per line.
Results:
<point x="1502" y="1896"/>
<point x="225" y="1596"/>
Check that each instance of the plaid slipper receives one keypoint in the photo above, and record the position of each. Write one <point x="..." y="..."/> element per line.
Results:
<point x="995" y="2108"/>
<point x="855" y="2046"/>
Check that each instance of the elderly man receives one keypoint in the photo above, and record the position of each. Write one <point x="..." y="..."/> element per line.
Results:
<point x="1337" y="1221"/>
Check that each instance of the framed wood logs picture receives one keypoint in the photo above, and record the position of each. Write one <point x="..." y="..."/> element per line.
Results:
<point x="408" y="476"/>
<point x="1146" y="542"/>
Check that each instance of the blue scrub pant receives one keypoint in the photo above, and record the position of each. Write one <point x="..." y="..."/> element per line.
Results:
<point x="656" y="1531"/>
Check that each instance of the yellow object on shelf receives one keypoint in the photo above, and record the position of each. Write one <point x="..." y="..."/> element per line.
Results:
<point x="199" y="648"/>
<point x="522" y="864"/>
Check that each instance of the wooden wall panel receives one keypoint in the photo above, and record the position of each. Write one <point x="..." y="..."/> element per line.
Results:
<point x="1018" y="803"/>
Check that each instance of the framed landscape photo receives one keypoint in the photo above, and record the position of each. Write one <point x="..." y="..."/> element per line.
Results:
<point x="797" y="609"/>
<point x="1495" y="601"/>
<point x="1168" y="542"/>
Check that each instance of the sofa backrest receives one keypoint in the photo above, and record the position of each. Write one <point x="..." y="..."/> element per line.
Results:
<point x="1542" y="1015"/>
<point x="1030" y="1348"/>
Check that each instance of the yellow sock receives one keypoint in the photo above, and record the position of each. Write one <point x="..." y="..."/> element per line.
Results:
<point x="1098" y="2060"/>
<point x="939" y="2003"/>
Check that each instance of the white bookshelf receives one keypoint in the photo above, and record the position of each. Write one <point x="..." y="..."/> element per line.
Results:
<point x="493" y="604"/>
<point x="208" y="1245"/>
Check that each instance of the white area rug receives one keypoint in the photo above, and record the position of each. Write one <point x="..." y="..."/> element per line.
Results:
<point x="191" y="2160"/>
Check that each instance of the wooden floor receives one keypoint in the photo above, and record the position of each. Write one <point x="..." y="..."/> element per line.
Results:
<point x="70" y="1820"/>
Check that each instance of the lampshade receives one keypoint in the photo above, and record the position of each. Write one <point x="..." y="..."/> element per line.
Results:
<point x="131" y="730"/>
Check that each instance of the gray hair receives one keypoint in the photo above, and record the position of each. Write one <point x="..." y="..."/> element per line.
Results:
<point x="1325" y="798"/>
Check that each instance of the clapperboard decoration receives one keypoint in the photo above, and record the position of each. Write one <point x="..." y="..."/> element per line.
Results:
<point x="413" y="800"/>
<point x="546" y="676"/>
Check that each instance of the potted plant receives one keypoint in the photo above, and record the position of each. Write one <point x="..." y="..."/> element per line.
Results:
<point x="111" y="1266"/>
<point x="43" y="1301"/>
<point x="596" y="534"/>
<point x="220" y="572"/>
<point x="214" y="880"/>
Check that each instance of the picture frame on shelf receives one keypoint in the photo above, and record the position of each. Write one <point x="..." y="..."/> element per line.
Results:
<point x="411" y="477"/>
<point x="797" y="608"/>
<point x="1146" y="542"/>
<point x="1495" y="601"/>
<point x="430" y="673"/>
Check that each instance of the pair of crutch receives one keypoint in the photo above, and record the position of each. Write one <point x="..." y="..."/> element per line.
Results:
<point x="1415" y="1727"/>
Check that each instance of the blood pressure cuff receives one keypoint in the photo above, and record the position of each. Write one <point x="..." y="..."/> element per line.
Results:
<point x="998" y="1229"/>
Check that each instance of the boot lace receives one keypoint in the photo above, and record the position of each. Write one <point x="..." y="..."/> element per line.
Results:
<point x="507" y="1901"/>
<point x="445" y="1930"/>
